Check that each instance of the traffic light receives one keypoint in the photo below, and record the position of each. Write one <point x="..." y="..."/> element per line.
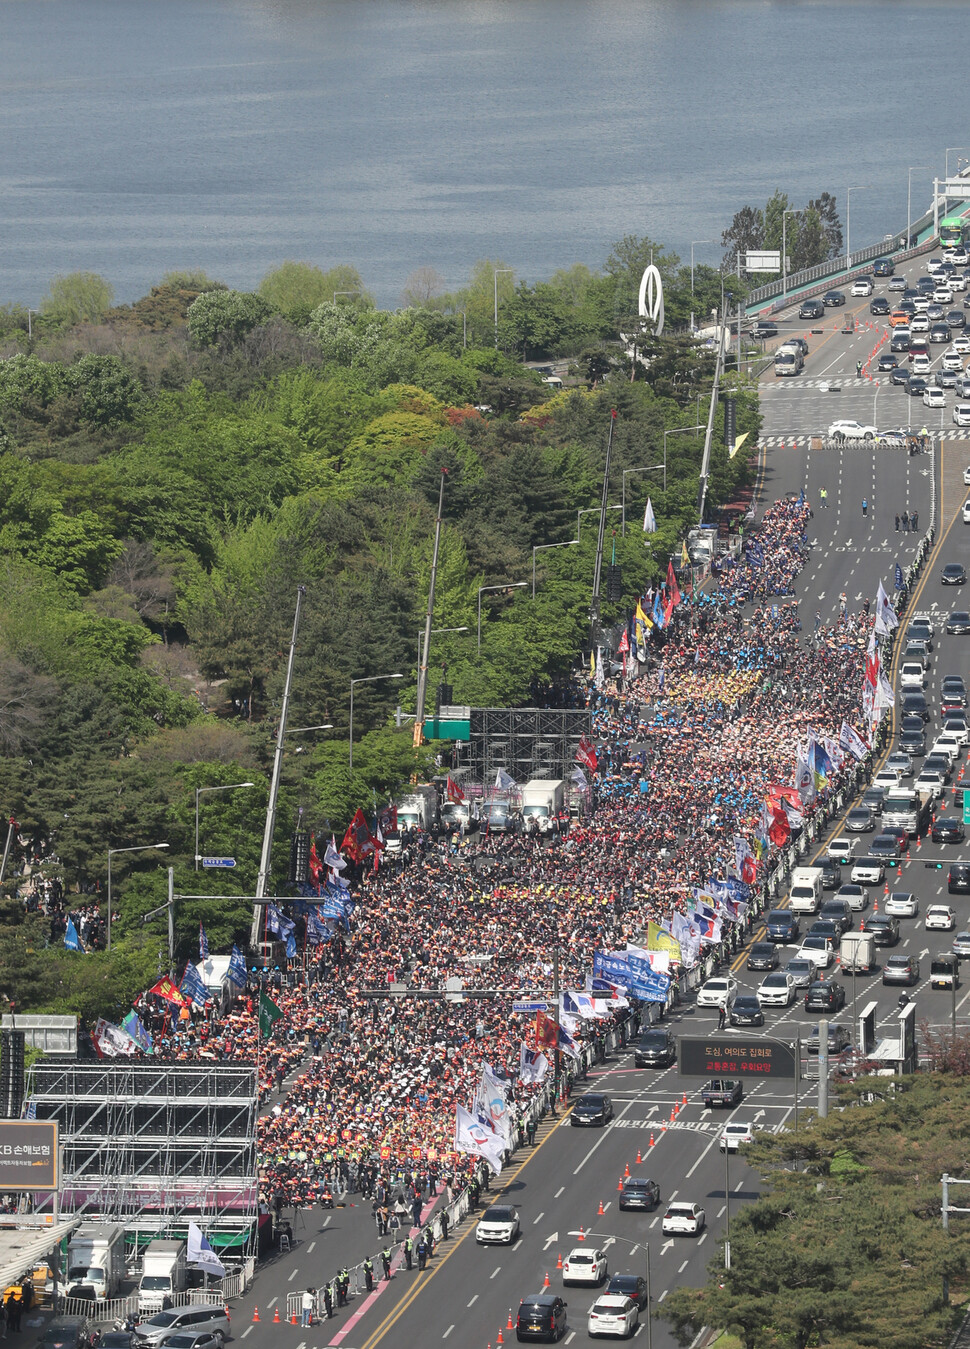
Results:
<point x="299" y="872"/>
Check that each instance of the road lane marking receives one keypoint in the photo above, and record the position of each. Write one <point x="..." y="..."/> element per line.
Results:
<point x="447" y="1332"/>
<point x="535" y="1220"/>
<point x="273" y="1302"/>
<point x="473" y="1301"/>
<point x="496" y="1270"/>
<point x="309" y="1249"/>
<point x="683" y="1266"/>
<point x="245" y="1332"/>
<point x="559" y="1192"/>
<point x="293" y="1276"/>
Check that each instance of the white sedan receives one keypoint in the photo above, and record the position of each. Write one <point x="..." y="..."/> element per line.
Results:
<point x="733" y="1135"/>
<point x="867" y="871"/>
<point x="818" y="950"/>
<point x="719" y="991"/>
<point x="961" y="345"/>
<point x="586" y="1265"/>
<point x="683" y="1220"/>
<point x="613" y="1314"/>
<point x="849" y="430"/>
<point x="966" y="476"/>
<point x="939" y="916"/>
<point x="777" y="990"/>
<point x="901" y="904"/>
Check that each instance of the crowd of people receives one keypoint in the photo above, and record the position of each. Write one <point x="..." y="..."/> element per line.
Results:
<point x="361" y="1090"/>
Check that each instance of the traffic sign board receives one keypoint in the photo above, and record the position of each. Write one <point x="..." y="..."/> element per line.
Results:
<point x="530" y="1006"/>
<point x="721" y="1055"/>
<point x="966" y="806"/>
<point x="218" y="861"/>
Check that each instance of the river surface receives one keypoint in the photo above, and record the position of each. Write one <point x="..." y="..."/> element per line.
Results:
<point x="139" y="136"/>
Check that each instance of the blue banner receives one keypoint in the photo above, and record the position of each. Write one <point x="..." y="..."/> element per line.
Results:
<point x="236" y="973"/>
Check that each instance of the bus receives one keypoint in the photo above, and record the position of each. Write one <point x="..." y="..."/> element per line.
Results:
<point x="954" y="232"/>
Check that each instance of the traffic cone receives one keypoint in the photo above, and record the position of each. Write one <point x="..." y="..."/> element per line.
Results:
<point x="862" y="925"/>
<point x="619" y="1184"/>
<point x="276" y="1317"/>
<point x="639" y="1157"/>
<point x="684" y="1101"/>
<point x="509" y="1325"/>
<point x="652" y="1143"/>
<point x="500" y="1339"/>
<point x="601" y="1210"/>
<point x="663" y="1126"/>
<point x="545" y="1281"/>
<point x="255" y="1316"/>
<point x="582" y="1234"/>
<point x="626" y="1171"/>
<point x="559" y="1261"/>
<point x="293" y="1319"/>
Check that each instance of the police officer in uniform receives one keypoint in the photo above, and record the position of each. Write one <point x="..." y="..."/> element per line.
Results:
<point x="369" y="1274"/>
<point x="407" y="1246"/>
<point x="386" y="1261"/>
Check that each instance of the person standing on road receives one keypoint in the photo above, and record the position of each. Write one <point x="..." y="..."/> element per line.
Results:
<point x="309" y="1298"/>
<point x="530" y="1131"/>
<point x="422" y="1252"/>
<point x="386" y="1261"/>
<point x="823" y="496"/>
<point x="328" y="1300"/>
<point x="865" y="505"/>
<point x="897" y="522"/>
<point x="905" y="522"/>
<point x="858" y="369"/>
<point x="721" y="1015"/>
<point x="407" y="1246"/>
<point x="369" y="1274"/>
<point x="913" y="521"/>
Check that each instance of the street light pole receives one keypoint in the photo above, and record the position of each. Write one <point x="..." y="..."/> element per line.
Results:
<point x="692" y="243"/>
<point x="909" y="201"/>
<point x="509" y="585"/>
<point x="592" y="510"/>
<point x="864" y="187"/>
<point x="199" y="792"/>
<point x="541" y="548"/>
<point x="364" y="679"/>
<point x="727" y="1207"/>
<point x="435" y="632"/>
<point x="784" y="252"/>
<point x="139" y="847"/>
<point x="496" y="273"/>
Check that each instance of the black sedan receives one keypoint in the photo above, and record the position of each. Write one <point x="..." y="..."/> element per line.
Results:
<point x="839" y="1039"/>
<point x="887" y="361"/>
<point x="833" y="298"/>
<point x="885" y="930"/>
<point x="746" y="1011"/>
<point x="899" y="375"/>
<point x="879" y="305"/>
<point x="763" y="956"/>
<point x="958" y="624"/>
<point x="592" y="1109"/>
<point x="917" y="386"/>
<point x="761" y="331"/>
<point x="948" y="830"/>
<point x="633" y="1286"/>
<point x="954" y="574"/>
<point x="825" y="996"/>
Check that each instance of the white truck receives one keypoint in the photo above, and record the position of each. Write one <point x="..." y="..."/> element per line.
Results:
<point x="163" y="1273"/>
<point x="907" y="809"/>
<point x="542" y="800"/>
<point x="96" y="1260"/>
<point x="418" y="808"/>
<point x="806" y="890"/>
<point x="857" y="952"/>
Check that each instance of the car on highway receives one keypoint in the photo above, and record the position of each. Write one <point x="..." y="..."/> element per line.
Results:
<point x="717" y="992"/>
<point x="919" y="323"/>
<point x="639" y="1192"/>
<point x="897" y="283"/>
<point x="887" y="361"/>
<point x="912" y="742"/>
<point x="919" y="362"/>
<point x="953" y="574"/>
<point x="800" y="971"/>
<point x="592" y="1110"/>
<point x="782" y="925"/>
<point x="633" y="1286"/>
<point x="955" y="724"/>
<point x="886" y="847"/>
<point x="763" y="955"/>
<point x="883" y="267"/>
<point x="831" y="873"/>
<point x="746" y="1011"/>
<point x="683" y="1220"/>
<point x="856" y="896"/>
<point x="940" y="332"/>
<point x="884" y="929"/>
<point x="851" y="430"/>
<point x="763" y="330"/>
<point x="827" y="927"/>
<point x="833" y="298"/>
<point x="838" y="1039"/>
<point x="859" y="820"/>
<point x="656" y="1048"/>
<point x="917" y="385"/>
<point x="900" y="970"/>
<point x="838" y="911"/>
<point x="873" y="798"/>
<point x="901" y="904"/>
<point x="818" y="950"/>
<point x="878" y="306"/>
<point x="915" y="705"/>
<point x="952" y="360"/>
<point x="69" y="1332"/>
<point x="721" y="1091"/>
<point x="956" y="320"/>
<point x="961" y="945"/>
<point x="585" y="1265"/>
<point x="954" y="684"/>
<point x="182" y="1320"/>
<point x="775" y="990"/>
<point x="862" y="286"/>
<point x="930" y="781"/>
<point x="900" y="763"/>
<point x="824" y="995"/>
<point x="541" y="1316"/>
<point x="961" y="344"/>
<point x="945" y="379"/>
<point x="887" y="778"/>
<point x="939" y="917"/>
<point x="900" y="375"/>
<point x="901" y="338"/>
<point x="958" y="623"/>
<point x="498" y="1225"/>
<point x="734" y="1134"/>
<point x="934" y="398"/>
<point x="811" y="309"/>
<point x="840" y="849"/>
<point x="868" y="871"/>
<point x="612" y="1314"/>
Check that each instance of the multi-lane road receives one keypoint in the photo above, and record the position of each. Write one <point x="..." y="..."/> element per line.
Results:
<point x="466" y="1295"/>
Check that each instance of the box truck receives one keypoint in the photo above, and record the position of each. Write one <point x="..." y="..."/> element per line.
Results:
<point x="806" y="890"/>
<point x="856" y="952"/>
<point x="418" y="808"/>
<point x="96" y="1260"/>
<point x="163" y="1273"/>
<point x="542" y="800"/>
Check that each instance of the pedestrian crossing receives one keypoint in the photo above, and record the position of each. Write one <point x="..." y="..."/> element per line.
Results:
<point x="833" y="380"/>
<point x="803" y="442"/>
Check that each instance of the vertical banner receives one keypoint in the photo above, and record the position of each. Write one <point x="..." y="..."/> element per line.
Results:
<point x="730" y="422"/>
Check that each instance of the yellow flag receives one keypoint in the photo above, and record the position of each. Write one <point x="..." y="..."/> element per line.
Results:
<point x="658" y="940"/>
<point x="738" y="443"/>
<point x="641" y="617"/>
<point x="592" y="665"/>
<point x="684" y="555"/>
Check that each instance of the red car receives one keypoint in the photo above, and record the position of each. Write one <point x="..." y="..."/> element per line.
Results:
<point x="899" y="833"/>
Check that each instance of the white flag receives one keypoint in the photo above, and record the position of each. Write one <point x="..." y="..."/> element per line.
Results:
<point x="504" y="782"/>
<point x="201" y="1254"/>
<point x="599" y="679"/>
<point x="332" y="858"/>
<point x="884" y="692"/>
<point x="886" y="618"/>
<point x="474" y="1137"/>
<point x="533" y="1066"/>
<point x="850" y="740"/>
<point x="649" y="519"/>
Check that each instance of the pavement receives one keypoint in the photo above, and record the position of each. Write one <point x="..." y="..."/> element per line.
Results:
<point x="468" y="1293"/>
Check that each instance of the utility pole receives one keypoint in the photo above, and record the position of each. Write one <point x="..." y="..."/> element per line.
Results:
<point x="594" y="607"/>
<point x="11" y="826"/>
<point x="423" y="661"/>
<point x="708" y="436"/>
<point x="823" y="1069"/>
<point x="265" y="858"/>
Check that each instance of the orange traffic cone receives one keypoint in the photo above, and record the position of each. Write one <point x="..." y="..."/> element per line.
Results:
<point x="619" y="1184"/>
<point x="639" y="1157"/>
<point x="276" y="1316"/>
<point x="509" y="1325"/>
<point x="500" y="1340"/>
<point x="601" y="1210"/>
<point x="582" y="1234"/>
<point x="293" y="1319"/>
<point x="545" y="1281"/>
<point x="663" y="1126"/>
<point x="652" y="1143"/>
<point x="684" y="1101"/>
<point x="255" y="1316"/>
<point x="626" y="1171"/>
<point x="559" y="1261"/>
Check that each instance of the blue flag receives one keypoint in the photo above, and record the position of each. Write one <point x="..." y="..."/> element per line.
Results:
<point x="273" y="919"/>
<point x="135" y="1028"/>
<point x="192" y="986"/>
<point x="316" y="929"/>
<point x="71" y="940"/>
<point x="203" y="944"/>
<point x="898" y="583"/>
<point x="290" y="945"/>
<point x="236" y="973"/>
<point x="658" y="611"/>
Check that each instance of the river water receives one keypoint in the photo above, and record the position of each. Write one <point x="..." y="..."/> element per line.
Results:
<point x="140" y="136"/>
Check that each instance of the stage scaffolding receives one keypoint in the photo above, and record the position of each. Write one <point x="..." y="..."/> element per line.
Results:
<point x="154" y="1145"/>
<point x="528" y="742"/>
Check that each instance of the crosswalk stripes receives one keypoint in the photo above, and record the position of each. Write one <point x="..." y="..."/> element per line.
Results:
<point x="846" y="383"/>
<point x="802" y="442"/>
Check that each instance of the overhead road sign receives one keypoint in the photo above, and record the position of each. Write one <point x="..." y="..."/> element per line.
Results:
<point x="763" y="261"/>
<point x="218" y="861"/>
<point x="530" y="1006"/>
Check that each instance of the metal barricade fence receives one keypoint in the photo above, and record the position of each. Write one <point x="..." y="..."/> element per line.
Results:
<point x="115" y="1309"/>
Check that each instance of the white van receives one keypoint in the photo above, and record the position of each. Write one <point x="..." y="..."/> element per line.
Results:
<point x="911" y="675"/>
<point x="806" y="890"/>
<point x="788" y="361"/>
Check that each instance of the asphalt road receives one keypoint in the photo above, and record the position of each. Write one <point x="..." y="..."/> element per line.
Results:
<point x="468" y="1292"/>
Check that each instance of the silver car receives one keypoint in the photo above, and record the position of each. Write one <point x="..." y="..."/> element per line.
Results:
<point x="192" y="1320"/>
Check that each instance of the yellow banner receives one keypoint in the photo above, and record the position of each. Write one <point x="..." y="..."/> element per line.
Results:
<point x="658" y="940"/>
<point x="738" y="443"/>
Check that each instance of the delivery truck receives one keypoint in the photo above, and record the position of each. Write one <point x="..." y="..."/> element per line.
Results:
<point x="806" y="890"/>
<point x="163" y="1274"/>
<point x="418" y="808"/>
<point x="907" y="809"/>
<point x="96" y="1261"/>
<point x="857" y="952"/>
<point x="542" y="800"/>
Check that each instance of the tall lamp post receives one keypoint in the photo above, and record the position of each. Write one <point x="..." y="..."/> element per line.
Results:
<point x="496" y="273"/>
<point x="541" y="548"/>
<point x="909" y="200"/>
<point x="863" y="187"/>
<point x="784" y="251"/>
<point x="139" y="847"/>
<point x="199" y="791"/>
<point x="434" y="631"/>
<point x="951" y="149"/>
<point x="593" y="510"/>
<point x="364" y="679"/>
<point x="692" y="243"/>
<point x="509" y="585"/>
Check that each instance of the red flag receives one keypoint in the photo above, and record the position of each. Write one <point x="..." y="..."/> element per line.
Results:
<point x="672" y="585"/>
<point x="167" y="990"/>
<point x="586" y="754"/>
<point x="316" y="866"/>
<point x="624" y="646"/>
<point x="455" y="793"/>
<point x="358" y="841"/>
<point x="779" y="831"/>
<point x="547" y="1032"/>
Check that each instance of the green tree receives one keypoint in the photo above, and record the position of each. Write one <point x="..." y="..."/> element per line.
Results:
<point x="746" y="231"/>
<point x="295" y="289"/>
<point x="225" y="316"/>
<point x="80" y="297"/>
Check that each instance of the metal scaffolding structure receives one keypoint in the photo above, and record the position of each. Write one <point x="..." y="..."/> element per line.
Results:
<point x="528" y="742"/>
<point x="154" y="1145"/>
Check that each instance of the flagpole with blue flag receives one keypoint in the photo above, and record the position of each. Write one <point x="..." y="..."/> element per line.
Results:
<point x="71" y="939"/>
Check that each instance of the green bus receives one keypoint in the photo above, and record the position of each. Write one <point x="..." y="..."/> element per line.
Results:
<point x="954" y="232"/>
